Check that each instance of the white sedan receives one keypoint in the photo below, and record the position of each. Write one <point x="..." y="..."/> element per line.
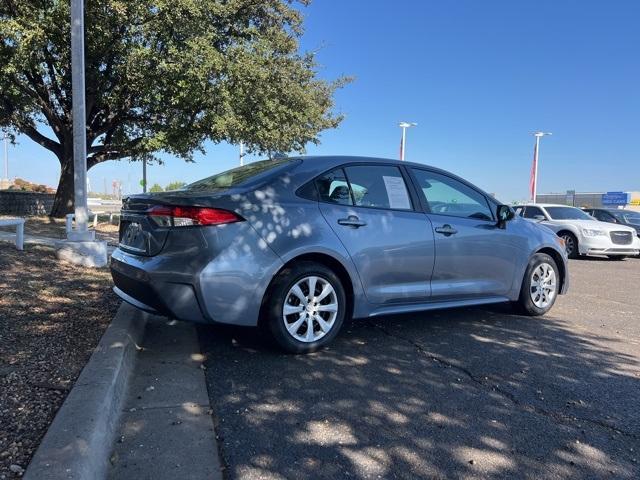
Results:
<point x="583" y="234"/>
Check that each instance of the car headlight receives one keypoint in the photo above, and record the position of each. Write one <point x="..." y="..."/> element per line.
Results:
<point x="588" y="232"/>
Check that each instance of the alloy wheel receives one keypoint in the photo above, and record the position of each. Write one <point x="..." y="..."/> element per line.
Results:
<point x="310" y="309"/>
<point x="569" y="243"/>
<point x="543" y="285"/>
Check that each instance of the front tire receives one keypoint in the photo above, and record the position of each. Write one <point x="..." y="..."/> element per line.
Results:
<point x="306" y="307"/>
<point x="571" y="244"/>
<point x="540" y="286"/>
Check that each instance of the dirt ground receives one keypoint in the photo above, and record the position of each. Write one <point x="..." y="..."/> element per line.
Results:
<point x="52" y="315"/>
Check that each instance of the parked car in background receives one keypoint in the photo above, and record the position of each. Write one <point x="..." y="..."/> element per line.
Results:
<point x="630" y="218"/>
<point x="582" y="233"/>
<point x="298" y="245"/>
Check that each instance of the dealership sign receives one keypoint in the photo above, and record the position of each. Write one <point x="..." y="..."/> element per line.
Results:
<point x="615" y="198"/>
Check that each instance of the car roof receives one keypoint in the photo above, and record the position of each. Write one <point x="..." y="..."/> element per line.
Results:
<point x="608" y="209"/>
<point x="340" y="159"/>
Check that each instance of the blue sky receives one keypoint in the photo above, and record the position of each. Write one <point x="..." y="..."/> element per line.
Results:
<point x="477" y="76"/>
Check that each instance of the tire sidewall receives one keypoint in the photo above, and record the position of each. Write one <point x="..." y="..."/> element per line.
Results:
<point x="525" y="302"/>
<point x="282" y="284"/>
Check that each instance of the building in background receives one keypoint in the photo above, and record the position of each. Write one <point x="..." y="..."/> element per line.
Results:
<point x="629" y="200"/>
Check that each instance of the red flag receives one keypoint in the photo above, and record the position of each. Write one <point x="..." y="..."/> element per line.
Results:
<point x="532" y="180"/>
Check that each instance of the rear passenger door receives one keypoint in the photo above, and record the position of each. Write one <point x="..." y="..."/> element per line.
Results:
<point x="370" y="209"/>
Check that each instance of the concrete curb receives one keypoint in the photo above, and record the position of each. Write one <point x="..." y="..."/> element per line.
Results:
<point x="79" y="441"/>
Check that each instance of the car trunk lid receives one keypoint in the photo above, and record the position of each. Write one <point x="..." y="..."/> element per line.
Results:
<point x="139" y="234"/>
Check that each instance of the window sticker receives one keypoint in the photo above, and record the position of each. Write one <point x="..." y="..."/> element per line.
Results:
<point x="397" y="193"/>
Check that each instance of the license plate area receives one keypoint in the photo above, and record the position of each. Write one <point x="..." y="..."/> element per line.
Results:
<point x="133" y="237"/>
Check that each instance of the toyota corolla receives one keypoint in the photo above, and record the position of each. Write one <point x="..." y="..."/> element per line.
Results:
<point x="298" y="245"/>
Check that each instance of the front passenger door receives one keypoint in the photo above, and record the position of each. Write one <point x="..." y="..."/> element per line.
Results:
<point x="474" y="258"/>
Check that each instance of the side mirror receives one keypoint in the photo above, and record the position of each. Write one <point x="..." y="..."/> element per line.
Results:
<point x="504" y="214"/>
<point x="539" y="218"/>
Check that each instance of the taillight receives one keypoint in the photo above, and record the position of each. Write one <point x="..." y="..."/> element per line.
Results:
<point x="175" y="216"/>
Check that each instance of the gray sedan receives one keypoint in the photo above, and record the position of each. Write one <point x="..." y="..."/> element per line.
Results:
<point x="298" y="245"/>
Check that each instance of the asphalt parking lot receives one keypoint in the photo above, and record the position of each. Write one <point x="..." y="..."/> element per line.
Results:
<point x="470" y="393"/>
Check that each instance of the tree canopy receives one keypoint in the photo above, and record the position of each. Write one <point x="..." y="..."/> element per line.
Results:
<point x="162" y="76"/>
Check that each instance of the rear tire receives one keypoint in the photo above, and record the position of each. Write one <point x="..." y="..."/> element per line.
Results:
<point x="292" y="308"/>
<point x="571" y="244"/>
<point x="540" y="286"/>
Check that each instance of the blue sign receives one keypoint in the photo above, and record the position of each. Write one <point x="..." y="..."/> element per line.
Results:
<point x="615" y="198"/>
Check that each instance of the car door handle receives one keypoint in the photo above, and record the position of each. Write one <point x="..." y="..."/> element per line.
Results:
<point x="446" y="230"/>
<point x="352" y="221"/>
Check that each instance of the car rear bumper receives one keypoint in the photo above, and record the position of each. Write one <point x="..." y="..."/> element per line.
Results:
<point x="152" y="293"/>
<point x="204" y="275"/>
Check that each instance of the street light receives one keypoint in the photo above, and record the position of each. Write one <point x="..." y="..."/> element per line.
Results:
<point x="404" y="126"/>
<point x="79" y="122"/>
<point x="242" y="154"/>
<point x="533" y="183"/>
<point x="5" y="137"/>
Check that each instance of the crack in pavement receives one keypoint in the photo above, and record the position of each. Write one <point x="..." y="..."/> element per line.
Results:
<point x="568" y="420"/>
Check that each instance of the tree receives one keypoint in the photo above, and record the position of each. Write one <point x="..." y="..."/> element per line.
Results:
<point x="161" y="76"/>
<point x="174" y="186"/>
<point x="156" y="188"/>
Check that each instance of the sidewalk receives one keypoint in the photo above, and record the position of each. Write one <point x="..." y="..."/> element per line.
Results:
<point x="40" y="240"/>
<point x="166" y="429"/>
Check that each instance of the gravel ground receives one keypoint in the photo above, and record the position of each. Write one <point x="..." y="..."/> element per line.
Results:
<point x="55" y="228"/>
<point x="52" y="315"/>
<point x="475" y="393"/>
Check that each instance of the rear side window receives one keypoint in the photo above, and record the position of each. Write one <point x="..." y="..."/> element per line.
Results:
<point x="447" y="196"/>
<point x="532" y="212"/>
<point x="378" y="186"/>
<point x="333" y="188"/>
<point x="602" y="216"/>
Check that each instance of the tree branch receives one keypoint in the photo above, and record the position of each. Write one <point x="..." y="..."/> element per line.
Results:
<point x="31" y="132"/>
<point x="104" y="152"/>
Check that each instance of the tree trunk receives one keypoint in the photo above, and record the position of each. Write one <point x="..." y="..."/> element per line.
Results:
<point x="63" y="202"/>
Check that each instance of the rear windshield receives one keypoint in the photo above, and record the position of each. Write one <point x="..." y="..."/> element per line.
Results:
<point x="235" y="176"/>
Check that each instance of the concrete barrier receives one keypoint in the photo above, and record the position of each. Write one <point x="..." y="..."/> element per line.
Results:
<point x="79" y="441"/>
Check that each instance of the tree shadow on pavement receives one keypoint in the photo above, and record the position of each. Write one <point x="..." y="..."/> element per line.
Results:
<point x="472" y="393"/>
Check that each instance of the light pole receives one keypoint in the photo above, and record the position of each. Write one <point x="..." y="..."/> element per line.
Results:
<point x="404" y="126"/>
<point x="5" y="137"/>
<point x="144" y="175"/>
<point x="79" y="121"/>
<point x="534" y="170"/>
<point x="242" y="154"/>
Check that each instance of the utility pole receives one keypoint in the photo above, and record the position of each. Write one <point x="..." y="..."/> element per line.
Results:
<point x="79" y="121"/>
<point x="404" y="126"/>
<point x="534" y="173"/>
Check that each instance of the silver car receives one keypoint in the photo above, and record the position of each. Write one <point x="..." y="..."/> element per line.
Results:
<point x="298" y="245"/>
